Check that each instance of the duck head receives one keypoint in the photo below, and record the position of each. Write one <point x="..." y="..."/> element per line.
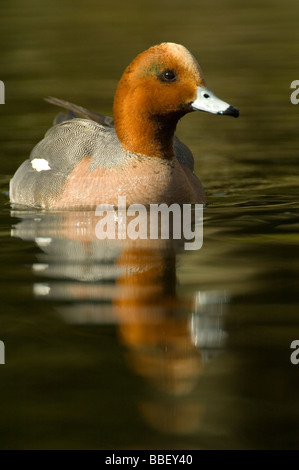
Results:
<point x="160" y="86"/>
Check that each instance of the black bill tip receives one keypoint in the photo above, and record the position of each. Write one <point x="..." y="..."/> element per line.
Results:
<point x="230" y="111"/>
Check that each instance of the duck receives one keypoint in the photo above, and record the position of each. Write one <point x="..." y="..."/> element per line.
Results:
<point x="86" y="161"/>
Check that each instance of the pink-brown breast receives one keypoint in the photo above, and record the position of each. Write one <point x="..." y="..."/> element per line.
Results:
<point x="143" y="180"/>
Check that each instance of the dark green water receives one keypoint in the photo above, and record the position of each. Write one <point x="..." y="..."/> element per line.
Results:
<point x="114" y="346"/>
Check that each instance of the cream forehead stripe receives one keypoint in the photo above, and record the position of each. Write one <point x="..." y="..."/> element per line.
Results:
<point x="181" y="54"/>
<point x="40" y="164"/>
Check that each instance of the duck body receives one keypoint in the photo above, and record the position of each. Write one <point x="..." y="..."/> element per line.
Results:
<point x="92" y="161"/>
<point x="82" y="163"/>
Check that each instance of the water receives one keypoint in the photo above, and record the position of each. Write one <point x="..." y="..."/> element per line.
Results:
<point x="145" y="345"/>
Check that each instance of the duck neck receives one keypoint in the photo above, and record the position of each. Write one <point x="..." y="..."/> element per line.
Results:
<point x="145" y="134"/>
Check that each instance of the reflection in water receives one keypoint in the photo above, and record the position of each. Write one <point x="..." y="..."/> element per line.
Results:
<point x="133" y="285"/>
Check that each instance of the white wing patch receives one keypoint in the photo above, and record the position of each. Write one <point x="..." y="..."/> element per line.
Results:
<point x="41" y="289"/>
<point x="40" y="164"/>
<point x="43" y="241"/>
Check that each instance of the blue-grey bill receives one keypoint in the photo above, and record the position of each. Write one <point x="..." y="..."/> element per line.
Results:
<point x="210" y="103"/>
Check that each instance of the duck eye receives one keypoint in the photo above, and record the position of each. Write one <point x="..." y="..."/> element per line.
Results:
<point x="168" y="75"/>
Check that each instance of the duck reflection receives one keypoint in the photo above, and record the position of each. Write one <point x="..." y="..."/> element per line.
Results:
<point x="132" y="284"/>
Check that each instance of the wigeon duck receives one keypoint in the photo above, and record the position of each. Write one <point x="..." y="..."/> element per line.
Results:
<point x="91" y="161"/>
